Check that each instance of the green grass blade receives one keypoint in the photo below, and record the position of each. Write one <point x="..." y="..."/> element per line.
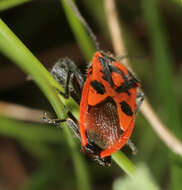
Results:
<point x="124" y="163"/>
<point x="163" y="65"/>
<point x="16" y="51"/>
<point x="6" y="4"/>
<point x="165" y="81"/>
<point x="80" y="34"/>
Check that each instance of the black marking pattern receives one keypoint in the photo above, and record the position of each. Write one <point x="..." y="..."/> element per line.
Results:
<point x="126" y="86"/>
<point x="108" y="57"/>
<point x="125" y="107"/>
<point x="123" y="88"/>
<point x="106" y="67"/>
<point x="100" y="89"/>
<point x="116" y="70"/>
<point x="129" y="80"/>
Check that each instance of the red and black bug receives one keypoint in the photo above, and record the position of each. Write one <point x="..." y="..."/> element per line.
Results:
<point x="109" y="100"/>
<point x="108" y="104"/>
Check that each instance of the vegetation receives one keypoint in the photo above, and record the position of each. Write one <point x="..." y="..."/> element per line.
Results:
<point x="34" y="155"/>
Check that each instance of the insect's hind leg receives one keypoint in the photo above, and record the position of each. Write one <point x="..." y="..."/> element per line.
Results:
<point x="132" y="146"/>
<point x="71" y="121"/>
<point x="69" y="76"/>
<point x="91" y="150"/>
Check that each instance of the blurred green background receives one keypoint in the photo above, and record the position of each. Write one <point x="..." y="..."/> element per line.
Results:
<point x="34" y="155"/>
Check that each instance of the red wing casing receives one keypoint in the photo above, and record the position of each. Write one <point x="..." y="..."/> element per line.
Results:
<point x="107" y="108"/>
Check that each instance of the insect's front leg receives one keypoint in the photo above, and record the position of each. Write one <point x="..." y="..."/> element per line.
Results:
<point x="49" y="120"/>
<point x="70" y="77"/>
<point x="66" y="93"/>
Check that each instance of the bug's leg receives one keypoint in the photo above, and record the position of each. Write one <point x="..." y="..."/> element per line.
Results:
<point x="49" y="120"/>
<point x="132" y="147"/>
<point x="71" y="121"/>
<point x="66" y="94"/>
<point x="92" y="151"/>
<point x="73" y="124"/>
<point x="62" y="66"/>
<point x="140" y="98"/>
<point x="106" y="162"/>
<point x="69" y="76"/>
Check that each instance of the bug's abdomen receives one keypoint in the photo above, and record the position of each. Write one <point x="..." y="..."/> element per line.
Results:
<point x="102" y="123"/>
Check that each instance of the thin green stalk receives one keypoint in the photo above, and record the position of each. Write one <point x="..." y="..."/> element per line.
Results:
<point x="6" y="4"/>
<point x="81" y="34"/>
<point x="165" y="81"/>
<point x="124" y="163"/>
<point x="16" y="51"/>
<point x="163" y="66"/>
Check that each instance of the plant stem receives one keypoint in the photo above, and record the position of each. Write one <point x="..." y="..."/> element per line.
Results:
<point x="6" y="4"/>
<point x="16" y="51"/>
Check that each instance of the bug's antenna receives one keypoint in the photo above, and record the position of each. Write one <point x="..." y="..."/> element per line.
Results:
<point x="83" y="21"/>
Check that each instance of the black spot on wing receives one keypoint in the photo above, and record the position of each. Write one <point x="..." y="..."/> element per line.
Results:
<point x="100" y="89"/>
<point x="126" y="86"/>
<point x="125" y="107"/>
<point x="123" y="88"/>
